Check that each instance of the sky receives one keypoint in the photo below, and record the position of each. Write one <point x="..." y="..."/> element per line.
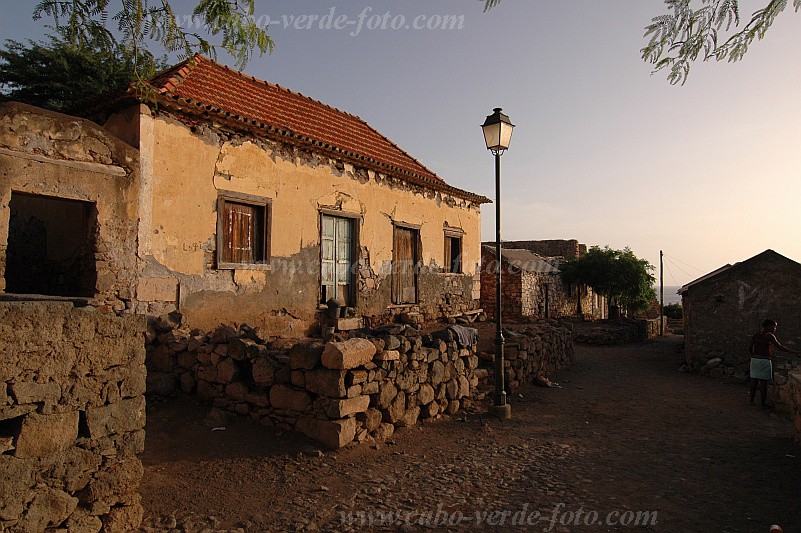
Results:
<point x="604" y="152"/>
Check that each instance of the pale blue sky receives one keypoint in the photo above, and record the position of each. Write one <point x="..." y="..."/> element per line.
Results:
<point x="603" y="152"/>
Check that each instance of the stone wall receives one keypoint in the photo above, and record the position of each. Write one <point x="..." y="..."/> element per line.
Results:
<point x="72" y="415"/>
<point x="357" y="388"/>
<point x="793" y="401"/>
<point x="536" y="350"/>
<point x="723" y="312"/>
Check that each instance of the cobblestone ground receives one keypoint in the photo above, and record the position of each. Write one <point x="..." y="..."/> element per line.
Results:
<point x="624" y="434"/>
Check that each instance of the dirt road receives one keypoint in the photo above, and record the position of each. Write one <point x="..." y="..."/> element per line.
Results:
<point x="625" y="440"/>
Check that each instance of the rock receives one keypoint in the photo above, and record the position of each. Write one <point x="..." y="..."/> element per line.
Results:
<point x="116" y="419"/>
<point x="426" y="394"/>
<point x="350" y="406"/>
<point x="257" y="398"/>
<point x="383" y="432"/>
<point x="305" y="356"/>
<point x="236" y="390"/>
<point x="49" y="507"/>
<point x="160" y="359"/>
<point x="357" y="376"/>
<point x="370" y="388"/>
<point x="396" y="409"/>
<point x="240" y="349"/>
<point x="27" y="392"/>
<point x="227" y="371"/>
<point x="298" y="379"/>
<point x="437" y="373"/>
<point x="371" y="418"/>
<point x="387" y="393"/>
<point x="264" y="371"/>
<point x="216" y="418"/>
<point x="452" y="389"/>
<point x="712" y="363"/>
<point x="285" y="397"/>
<point x="161" y="383"/>
<point x="429" y="410"/>
<point x="223" y="334"/>
<point x="326" y="382"/>
<point x="123" y="519"/>
<point x="187" y="383"/>
<point x="388" y="355"/>
<point x="333" y="434"/>
<point x="409" y="418"/>
<point x="351" y="353"/>
<point x="42" y="435"/>
<point x="464" y="387"/>
<point x="391" y="342"/>
<point x="453" y="407"/>
<point x="168" y="322"/>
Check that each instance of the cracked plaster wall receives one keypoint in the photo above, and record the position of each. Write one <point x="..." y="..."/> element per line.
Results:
<point x="191" y="165"/>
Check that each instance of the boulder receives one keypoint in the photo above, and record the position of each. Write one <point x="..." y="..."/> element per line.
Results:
<point x="383" y="432"/>
<point x="333" y="434"/>
<point x="116" y="419"/>
<point x="370" y="418"/>
<point x="387" y="393"/>
<point x="285" y="397"/>
<point x="350" y="406"/>
<point x="305" y="356"/>
<point x="43" y="435"/>
<point x="264" y="371"/>
<point x="326" y="382"/>
<point x="426" y="394"/>
<point x="351" y="353"/>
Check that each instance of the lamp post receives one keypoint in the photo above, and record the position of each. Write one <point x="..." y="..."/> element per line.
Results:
<point x="498" y="134"/>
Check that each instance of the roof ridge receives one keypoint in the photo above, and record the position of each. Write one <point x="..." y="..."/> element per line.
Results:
<point x="328" y="106"/>
<point x="180" y="73"/>
<point x="277" y="86"/>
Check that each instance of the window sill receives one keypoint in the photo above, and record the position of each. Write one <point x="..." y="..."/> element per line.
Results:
<point x="244" y="266"/>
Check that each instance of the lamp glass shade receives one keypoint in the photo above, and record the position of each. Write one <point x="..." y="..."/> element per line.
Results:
<point x="498" y="131"/>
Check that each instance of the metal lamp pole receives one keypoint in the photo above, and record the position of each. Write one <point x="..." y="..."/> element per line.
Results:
<point x="497" y="134"/>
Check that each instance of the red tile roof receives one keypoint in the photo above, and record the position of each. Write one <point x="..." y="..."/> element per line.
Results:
<point x="214" y="87"/>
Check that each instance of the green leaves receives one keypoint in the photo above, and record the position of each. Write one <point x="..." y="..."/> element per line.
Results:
<point x="66" y="76"/>
<point x="142" y="22"/>
<point x="617" y="274"/>
<point x="684" y="34"/>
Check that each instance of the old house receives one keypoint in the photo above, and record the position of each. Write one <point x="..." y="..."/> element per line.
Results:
<point x="72" y="372"/>
<point x="531" y="285"/>
<point x="725" y="307"/>
<point x="258" y="204"/>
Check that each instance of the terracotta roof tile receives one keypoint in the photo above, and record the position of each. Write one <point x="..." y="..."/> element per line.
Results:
<point x="206" y="82"/>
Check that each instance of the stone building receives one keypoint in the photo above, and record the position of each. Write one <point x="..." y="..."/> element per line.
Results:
<point x="532" y="287"/>
<point x="258" y="204"/>
<point x="724" y="308"/>
<point x="72" y="372"/>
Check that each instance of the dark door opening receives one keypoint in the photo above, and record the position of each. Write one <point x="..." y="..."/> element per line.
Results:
<point x="51" y="246"/>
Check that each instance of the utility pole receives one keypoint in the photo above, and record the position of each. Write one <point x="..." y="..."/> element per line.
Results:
<point x="661" y="295"/>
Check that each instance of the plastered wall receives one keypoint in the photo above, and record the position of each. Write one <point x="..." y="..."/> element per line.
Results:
<point x="191" y="166"/>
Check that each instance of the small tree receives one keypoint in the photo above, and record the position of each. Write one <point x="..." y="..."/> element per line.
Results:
<point x="619" y="275"/>
<point x="65" y="76"/>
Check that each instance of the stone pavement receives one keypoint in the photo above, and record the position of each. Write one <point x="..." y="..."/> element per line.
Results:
<point x="625" y="434"/>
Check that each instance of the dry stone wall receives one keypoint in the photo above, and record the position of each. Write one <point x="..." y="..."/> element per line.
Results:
<point x="352" y="389"/>
<point x="72" y="415"/>
<point x="537" y="350"/>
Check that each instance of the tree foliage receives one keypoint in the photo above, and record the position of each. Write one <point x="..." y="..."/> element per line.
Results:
<point x="700" y="29"/>
<point x="138" y="24"/>
<point x="64" y="76"/>
<point x="617" y="274"/>
<point x="693" y="29"/>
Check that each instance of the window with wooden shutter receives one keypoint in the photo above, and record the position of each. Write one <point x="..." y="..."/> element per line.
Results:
<point x="405" y="265"/>
<point x="453" y="254"/>
<point x="243" y="228"/>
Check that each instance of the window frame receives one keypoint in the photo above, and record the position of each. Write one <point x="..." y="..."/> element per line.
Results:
<point x="254" y="201"/>
<point x="356" y="221"/>
<point x="457" y="234"/>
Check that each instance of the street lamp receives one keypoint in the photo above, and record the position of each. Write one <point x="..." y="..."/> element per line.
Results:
<point x="498" y="134"/>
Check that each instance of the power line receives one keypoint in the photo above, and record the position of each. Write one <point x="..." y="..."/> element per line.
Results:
<point x="685" y="264"/>
<point x="684" y="271"/>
